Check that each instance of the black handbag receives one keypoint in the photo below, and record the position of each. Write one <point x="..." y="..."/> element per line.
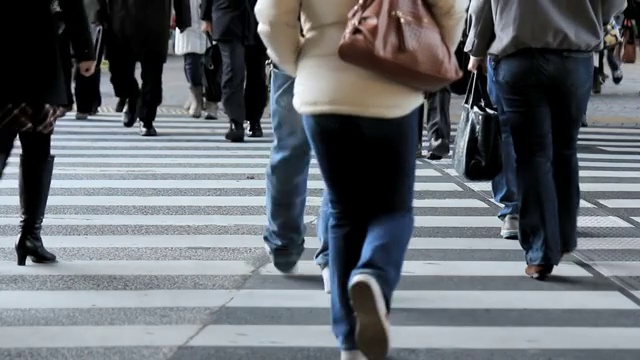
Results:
<point x="212" y="72"/>
<point x="477" y="154"/>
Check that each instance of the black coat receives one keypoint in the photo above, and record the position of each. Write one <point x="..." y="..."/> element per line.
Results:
<point x="142" y="26"/>
<point x="30" y="69"/>
<point x="231" y="20"/>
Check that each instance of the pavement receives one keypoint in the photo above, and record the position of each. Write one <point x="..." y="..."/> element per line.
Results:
<point x="161" y="257"/>
<point x="617" y="105"/>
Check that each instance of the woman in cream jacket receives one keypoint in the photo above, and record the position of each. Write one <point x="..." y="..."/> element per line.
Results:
<point x="362" y="128"/>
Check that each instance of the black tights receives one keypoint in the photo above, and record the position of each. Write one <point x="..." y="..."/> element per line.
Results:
<point x="35" y="145"/>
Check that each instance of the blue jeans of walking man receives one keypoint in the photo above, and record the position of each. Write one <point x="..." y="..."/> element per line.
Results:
<point x="287" y="176"/>
<point x="504" y="186"/>
<point x="544" y="94"/>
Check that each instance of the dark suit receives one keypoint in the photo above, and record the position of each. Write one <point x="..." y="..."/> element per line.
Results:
<point x="234" y="27"/>
<point x="139" y="32"/>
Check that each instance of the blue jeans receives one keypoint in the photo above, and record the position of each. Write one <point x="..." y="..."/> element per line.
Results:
<point x="368" y="166"/>
<point x="194" y="69"/>
<point x="287" y="176"/>
<point x="544" y="94"/>
<point x="504" y="185"/>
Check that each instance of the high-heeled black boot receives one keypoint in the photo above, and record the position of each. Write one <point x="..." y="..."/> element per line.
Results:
<point x="33" y="184"/>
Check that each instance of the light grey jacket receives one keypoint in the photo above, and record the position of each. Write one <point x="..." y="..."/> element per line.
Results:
<point x="501" y="27"/>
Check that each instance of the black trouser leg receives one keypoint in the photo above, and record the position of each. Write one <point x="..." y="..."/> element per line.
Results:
<point x="151" y="90"/>
<point x="233" y="77"/>
<point x="256" y="90"/>
<point x="439" y="122"/>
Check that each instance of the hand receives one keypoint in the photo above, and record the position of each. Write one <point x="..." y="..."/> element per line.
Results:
<point x="474" y="64"/>
<point x="87" y="68"/>
<point x="206" y="26"/>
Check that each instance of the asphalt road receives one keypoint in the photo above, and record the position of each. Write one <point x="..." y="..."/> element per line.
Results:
<point x="161" y="257"/>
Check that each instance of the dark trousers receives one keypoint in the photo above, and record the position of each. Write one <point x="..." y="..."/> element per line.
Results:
<point x="87" y="88"/>
<point x="438" y="121"/>
<point x="122" y="65"/>
<point x="544" y="95"/>
<point x="366" y="235"/>
<point x="193" y="69"/>
<point x="87" y="91"/>
<point x="243" y="98"/>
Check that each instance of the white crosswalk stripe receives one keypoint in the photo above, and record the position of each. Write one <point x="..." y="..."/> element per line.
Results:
<point x="161" y="256"/>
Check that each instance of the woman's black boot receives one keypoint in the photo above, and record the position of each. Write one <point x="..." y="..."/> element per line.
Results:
<point x="34" y="183"/>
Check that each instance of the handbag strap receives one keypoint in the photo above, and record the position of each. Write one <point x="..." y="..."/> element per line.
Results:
<point x="209" y="38"/>
<point x="477" y="91"/>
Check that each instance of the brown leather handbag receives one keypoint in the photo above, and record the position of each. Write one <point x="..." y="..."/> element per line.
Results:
<point x="400" y="40"/>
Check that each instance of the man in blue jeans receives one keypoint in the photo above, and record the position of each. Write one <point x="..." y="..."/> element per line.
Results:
<point x="504" y="186"/>
<point x="287" y="176"/>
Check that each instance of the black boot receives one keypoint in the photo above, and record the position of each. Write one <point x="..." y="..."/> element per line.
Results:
<point x="33" y="184"/>
<point x="255" y="130"/>
<point x="236" y="131"/>
<point x="130" y="116"/>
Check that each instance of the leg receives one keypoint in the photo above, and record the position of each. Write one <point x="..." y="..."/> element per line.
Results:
<point x="438" y="123"/>
<point x="287" y="175"/>
<point x="150" y="94"/>
<point x="523" y="93"/>
<point x="256" y="91"/>
<point x="575" y="89"/>
<point x="367" y="237"/>
<point x="7" y="139"/>
<point x="504" y="186"/>
<point x="233" y="76"/>
<point x="36" y="168"/>
<point x="614" y="65"/>
<point x="122" y="66"/>
<point x="322" y="255"/>
<point x="193" y="69"/>
<point x="421" y="115"/>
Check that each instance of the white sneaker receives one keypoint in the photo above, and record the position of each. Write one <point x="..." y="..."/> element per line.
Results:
<point x="352" y="355"/>
<point x="326" y="279"/>
<point x="372" y="326"/>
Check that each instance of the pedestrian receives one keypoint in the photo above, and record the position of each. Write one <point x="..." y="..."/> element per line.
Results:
<point x="287" y="175"/>
<point x="531" y="72"/>
<point x="87" y="88"/>
<point x="139" y="33"/>
<point x="362" y="128"/>
<point x="191" y="45"/>
<point x="232" y="25"/>
<point x="29" y="112"/>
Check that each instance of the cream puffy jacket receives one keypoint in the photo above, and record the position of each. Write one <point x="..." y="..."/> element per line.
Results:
<point x="324" y="83"/>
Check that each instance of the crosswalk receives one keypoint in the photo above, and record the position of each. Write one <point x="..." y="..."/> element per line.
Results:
<point x="161" y="257"/>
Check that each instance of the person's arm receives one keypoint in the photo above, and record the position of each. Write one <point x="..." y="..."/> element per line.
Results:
<point x="103" y="16"/>
<point x="206" y="9"/>
<point x="481" y="30"/>
<point x="182" y="9"/>
<point x="279" y="28"/>
<point x="77" y="25"/>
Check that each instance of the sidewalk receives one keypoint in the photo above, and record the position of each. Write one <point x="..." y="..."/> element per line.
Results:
<point x="618" y="105"/>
